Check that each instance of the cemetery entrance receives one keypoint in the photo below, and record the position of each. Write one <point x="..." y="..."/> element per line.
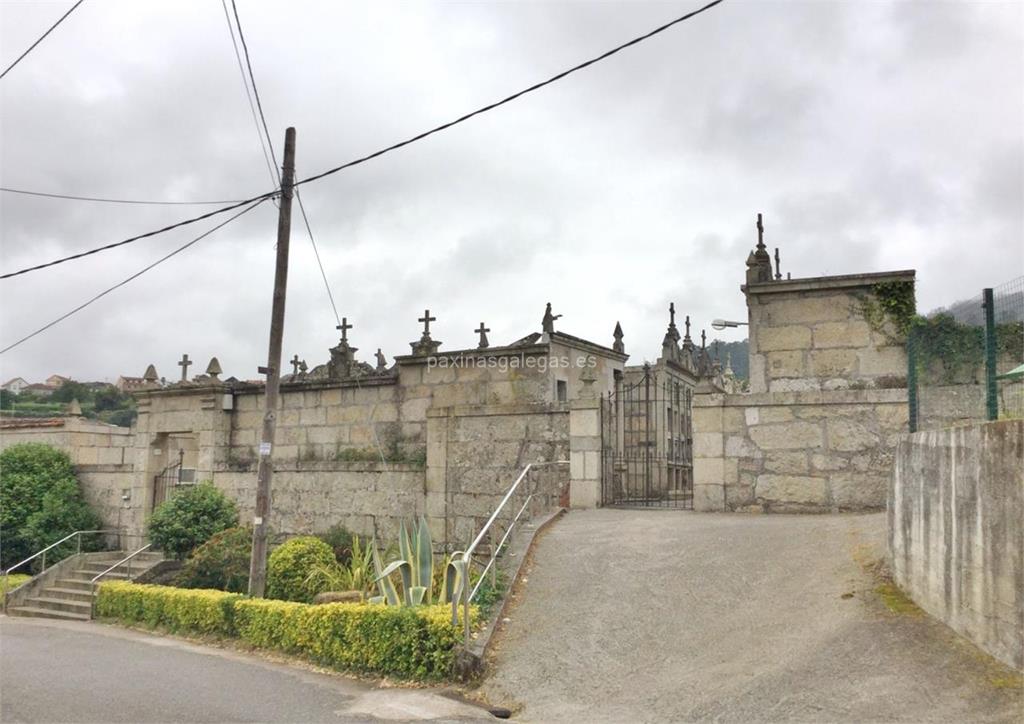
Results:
<point x="647" y="443"/>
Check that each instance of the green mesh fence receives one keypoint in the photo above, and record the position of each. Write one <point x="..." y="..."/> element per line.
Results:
<point x="962" y="360"/>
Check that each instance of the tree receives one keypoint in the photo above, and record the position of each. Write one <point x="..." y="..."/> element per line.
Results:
<point x="7" y="399"/>
<point x="111" y="398"/>
<point x="41" y="502"/>
<point x="72" y="390"/>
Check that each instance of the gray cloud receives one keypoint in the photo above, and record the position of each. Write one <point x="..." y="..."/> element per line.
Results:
<point x="882" y="135"/>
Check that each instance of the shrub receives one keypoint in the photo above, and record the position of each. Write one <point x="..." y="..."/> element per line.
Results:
<point x="415" y="642"/>
<point x="355" y="575"/>
<point x="221" y="562"/>
<point x="177" y="609"/>
<point x="339" y="538"/>
<point x="9" y="583"/>
<point x="290" y="566"/>
<point x="410" y="642"/>
<point x="42" y="503"/>
<point x="190" y="518"/>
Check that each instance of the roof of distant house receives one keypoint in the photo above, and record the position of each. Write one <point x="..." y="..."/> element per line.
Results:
<point x="10" y="422"/>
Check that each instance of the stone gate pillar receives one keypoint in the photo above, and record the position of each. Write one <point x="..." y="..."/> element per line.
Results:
<point x="708" y="453"/>
<point x="585" y="453"/>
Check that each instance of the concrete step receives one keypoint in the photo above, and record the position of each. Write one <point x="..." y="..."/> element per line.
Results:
<point x="89" y="575"/>
<point x="100" y="567"/>
<point x="38" y="612"/>
<point x="68" y="594"/>
<point x="60" y="604"/>
<point x="77" y="584"/>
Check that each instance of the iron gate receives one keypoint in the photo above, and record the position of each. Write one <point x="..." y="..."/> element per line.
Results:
<point x="167" y="480"/>
<point x="647" y="443"/>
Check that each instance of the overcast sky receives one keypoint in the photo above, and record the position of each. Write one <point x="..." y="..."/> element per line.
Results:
<point x="872" y="136"/>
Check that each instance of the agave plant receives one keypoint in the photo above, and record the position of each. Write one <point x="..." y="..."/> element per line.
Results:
<point x="416" y="569"/>
<point x="356" y="575"/>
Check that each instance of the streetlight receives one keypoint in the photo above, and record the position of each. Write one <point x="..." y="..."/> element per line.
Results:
<point x="721" y="324"/>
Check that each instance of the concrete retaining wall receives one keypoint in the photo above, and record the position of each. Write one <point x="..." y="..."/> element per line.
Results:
<point x="956" y="531"/>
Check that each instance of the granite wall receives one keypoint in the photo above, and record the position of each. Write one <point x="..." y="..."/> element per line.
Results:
<point x="824" y="451"/>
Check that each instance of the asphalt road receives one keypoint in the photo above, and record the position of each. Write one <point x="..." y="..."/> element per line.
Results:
<point x="87" y="672"/>
<point x="662" y="616"/>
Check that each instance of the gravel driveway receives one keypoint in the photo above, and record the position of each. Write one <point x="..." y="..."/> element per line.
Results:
<point x="675" y="616"/>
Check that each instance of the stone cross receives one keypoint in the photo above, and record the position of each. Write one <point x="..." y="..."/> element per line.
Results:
<point x="672" y="322"/>
<point x="687" y="337"/>
<point x="426" y="319"/>
<point x="703" y="339"/>
<point x="344" y="327"/>
<point x="760" y="233"/>
<point x="778" y="273"/>
<point x="295" y="364"/>
<point x="482" y="331"/>
<point x="184" y="364"/>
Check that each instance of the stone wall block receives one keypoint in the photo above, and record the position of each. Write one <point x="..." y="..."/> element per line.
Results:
<point x="791" y="489"/>
<point x="733" y="420"/>
<point x="788" y="363"/>
<point x="789" y="463"/>
<point x="887" y="361"/>
<point x="708" y="444"/>
<point x="787" y="436"/>
<point x="854" y="333"/>
<point x="852" y="435"/>
<point x="740" y="446"/>
<point x="834" y="363"/>
<point x="790" y="337"/>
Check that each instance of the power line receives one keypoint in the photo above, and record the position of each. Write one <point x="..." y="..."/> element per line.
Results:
<point x="255" y="90"/>
<point x="41" y="38"/>
<point x="186" y="222"/>
<point x="302" y="208"/>
<point x="266" y="132"/>
<point x="136" y="275"/>
<point x="271" y="163"/>
<point x="512" y="97"/>
<point x="118" y="201"/>
<point x="316" y="253"/>
<point x="395" y="146"/>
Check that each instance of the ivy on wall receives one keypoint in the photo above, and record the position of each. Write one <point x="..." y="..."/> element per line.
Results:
<point x="949" y="351"/>
<point x="890" y="302"/>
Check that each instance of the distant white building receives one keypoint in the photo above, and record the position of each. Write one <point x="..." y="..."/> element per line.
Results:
<point x="15" y="385"/>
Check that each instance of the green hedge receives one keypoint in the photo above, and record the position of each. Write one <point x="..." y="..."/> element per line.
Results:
<point x="181" y="610"/>
<point x="415" y="642"/>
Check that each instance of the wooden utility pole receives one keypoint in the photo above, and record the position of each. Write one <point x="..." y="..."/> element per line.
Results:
<point x="258" y="563"/>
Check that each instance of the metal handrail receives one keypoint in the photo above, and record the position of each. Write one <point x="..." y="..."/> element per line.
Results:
<point x="127" y="559"/>
<point x="467" y="559"/>
<point x="66" y="538"/>
<point x="497" y="549"/>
